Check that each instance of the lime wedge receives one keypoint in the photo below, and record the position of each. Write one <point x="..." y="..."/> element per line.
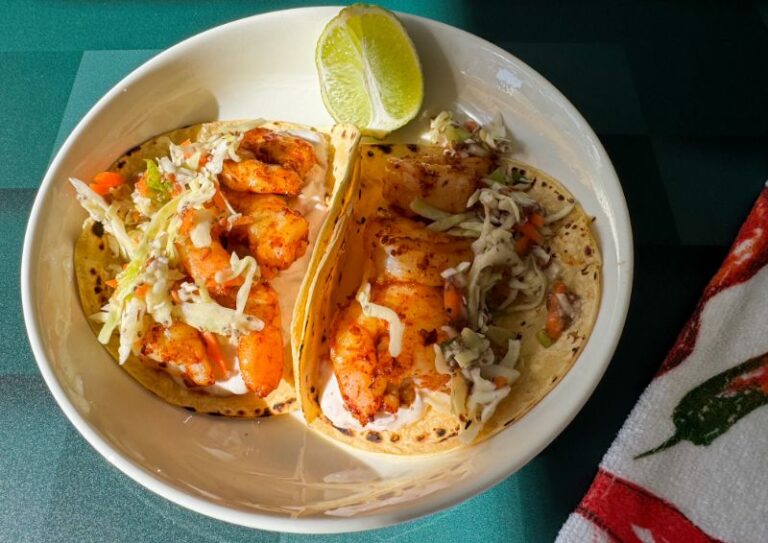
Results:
<point x="369" y="70"/>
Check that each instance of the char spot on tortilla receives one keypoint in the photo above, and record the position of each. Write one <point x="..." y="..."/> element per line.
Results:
<point x="440" y="432"/>
<point x="190" y="408"/>
<point x="394" y="438"/>
<point x="132" y="150"/>
<point x="240" y="412"/>
<point x="281" y="406"/>
<point x="385" y="148"/>
<point x="373" y="436"/>
<point x="97" y="229"/>
<point x="345" y="431"/>
<point x="215" y="414"/>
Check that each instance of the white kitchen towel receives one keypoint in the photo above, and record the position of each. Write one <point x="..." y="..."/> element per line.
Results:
<point x="690" y="463"/>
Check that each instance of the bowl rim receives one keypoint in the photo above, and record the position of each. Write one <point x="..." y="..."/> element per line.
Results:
<point x="269" y="521"/>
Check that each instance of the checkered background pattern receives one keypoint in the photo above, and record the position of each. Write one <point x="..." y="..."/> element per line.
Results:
<point x="677" y="92"/>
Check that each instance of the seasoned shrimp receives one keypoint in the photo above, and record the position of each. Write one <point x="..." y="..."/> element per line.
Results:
<point x="181" y="348"/>
<point x="203" y="263"/>
<point x="277" y="235"/>
<point x="260" y="353"/>
<point x="404" y="250"/>
<point x="446" y="186"/>
<point x="255" y="176"/>
<point x="273" y="163"/>
<point x="369" y="378"/>
<point x="276" y="148"/>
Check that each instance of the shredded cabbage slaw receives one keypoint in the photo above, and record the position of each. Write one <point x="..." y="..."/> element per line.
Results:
<point x="146" y="226"/>
<point x="480" y="375"/>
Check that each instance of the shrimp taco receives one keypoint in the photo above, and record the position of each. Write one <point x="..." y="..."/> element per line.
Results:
<point x="458" y="290"/>
<point x="193" y="262"/>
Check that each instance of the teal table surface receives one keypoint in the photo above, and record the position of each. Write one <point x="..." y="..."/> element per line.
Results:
<point x="677" y="92"/>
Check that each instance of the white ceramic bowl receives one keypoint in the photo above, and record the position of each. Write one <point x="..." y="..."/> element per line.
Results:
<point x="274" y="474"/>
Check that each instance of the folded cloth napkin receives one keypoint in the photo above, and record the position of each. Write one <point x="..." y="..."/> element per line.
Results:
<point x="691" y="462"/>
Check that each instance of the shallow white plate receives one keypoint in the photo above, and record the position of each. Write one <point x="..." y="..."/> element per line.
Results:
<point x="274" y="474"/>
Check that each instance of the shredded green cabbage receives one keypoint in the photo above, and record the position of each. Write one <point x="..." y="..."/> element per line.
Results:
<point x="396" y="327"/>
<point x="128" y="279"/>
<point x="420" y="207"/>
<point x="441" y="225"/>
<point x="208" y="316"/>
<point x="155" y="181"/>
<point x="104" y="213"/>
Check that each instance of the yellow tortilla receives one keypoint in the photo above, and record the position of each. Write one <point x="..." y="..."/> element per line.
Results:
<point x="340" y="274"/>
<point x="95" y="263"/>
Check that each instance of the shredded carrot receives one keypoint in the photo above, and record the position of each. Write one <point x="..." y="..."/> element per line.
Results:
<point x="106" y="181"/>
<point x="522" y="246"/>
<point x="452" y="301"/>
<point x="500" y="381"/>
<point x="528" y="230"/>
<point x="555" y="318"/>
<point x="177" y="189"/>
<point x="141" y="290"/>
<point x="219" y="201"/>
<point x="536" y="220"/>
<point x="141" y="186"/>
<point x="214" y="353"/>
<point x="111" y="283"/>
<point x="554" y="325"/>
<point x="113" y="179"/>
<point x="204" y="160"/>
<point x="187" y="221"/>
<point x="175" y="296"/>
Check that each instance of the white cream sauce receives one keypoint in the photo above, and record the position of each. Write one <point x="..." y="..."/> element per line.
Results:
<point x="333" y="407"/>
<point x="312" y="204"/>
<point x="234" y="384"/>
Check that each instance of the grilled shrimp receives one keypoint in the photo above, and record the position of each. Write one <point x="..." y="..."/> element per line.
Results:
<point x="279" y="165"/>
<point x="404" y="250"/>
<point x="182" y="348"/>
<point x="277" y="235"/>
<point x="203" y="263"/>
<point x="276" y="148"/>
<point x="446" y="186"/>
<point x="260" y="353"/>
<point x="369" y="378"/>
<point x="252" y="175"/>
